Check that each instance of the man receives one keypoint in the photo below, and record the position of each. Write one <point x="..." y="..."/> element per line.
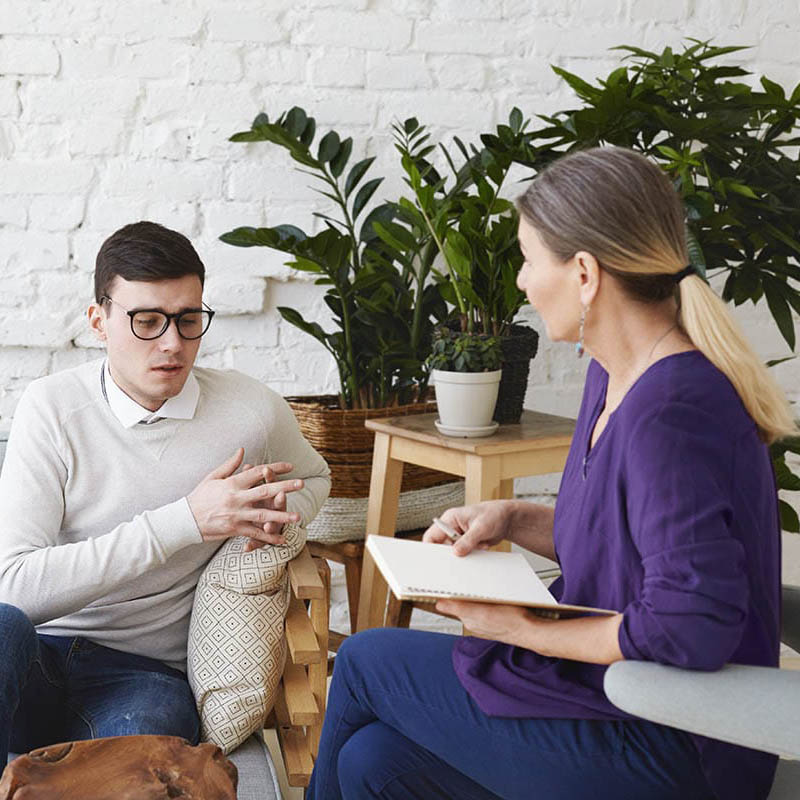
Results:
<point x="117" y="488"/>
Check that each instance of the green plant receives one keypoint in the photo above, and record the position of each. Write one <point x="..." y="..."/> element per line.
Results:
<point x="380" y="303"/>
<point x="731" y="151"/>
<point x="473" y="228"/>
<point x="458" y="351"/>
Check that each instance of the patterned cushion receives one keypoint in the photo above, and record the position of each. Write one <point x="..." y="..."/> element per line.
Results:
<point x="237" y="646"/>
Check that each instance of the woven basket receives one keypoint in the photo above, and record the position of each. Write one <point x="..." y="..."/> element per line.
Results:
<point x="340" y="437"/>
<point x="518" y="349"/>
<point x="343" y="519"/>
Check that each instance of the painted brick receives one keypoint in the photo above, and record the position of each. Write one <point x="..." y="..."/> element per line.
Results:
<point x="56" y="214"/>
<point x="242" y="331"/>
<point x="487" y="37"/>
<point x="102" y="136"/>
<point x="23" y="362"/>
<point x="33" y="328"/>
<point x="45" y="100"/>
<point x="21" y="253"/>
<point x="13" y="211"/>
<point x="9" y="100"/>
<point x="82" y="58"/>
<point x="218" y="63"/>
<point x="228" y="297"/>
<point x="460" y="72"/>
<point x="347" y="29"/>
<point x="173" y="180"/>
<point x="141" y="21"/>
<point x="248" y="25"/>
<point x="407" y="71"/>
<point x="42" y="17"/>
<point x="339" y="68"/>
<point x="276" y="64"/>
<point x="154" y="59"/>
<point x="28" y="57"/>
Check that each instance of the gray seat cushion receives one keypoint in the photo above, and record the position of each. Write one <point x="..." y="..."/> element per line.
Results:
<point x="257" y="777"/>
<point x="787" y="781"/>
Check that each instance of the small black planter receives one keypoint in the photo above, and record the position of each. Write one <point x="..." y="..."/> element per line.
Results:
<point x="519" y="347"/>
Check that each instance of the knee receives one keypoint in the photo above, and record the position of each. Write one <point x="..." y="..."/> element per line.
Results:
<point x="367" y="760"/>
<point x="17" y="632"/>
<point x="365" y="647"/>
<point x="168" y="712"/>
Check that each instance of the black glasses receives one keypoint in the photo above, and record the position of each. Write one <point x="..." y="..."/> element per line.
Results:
<point x="150" y="323"/>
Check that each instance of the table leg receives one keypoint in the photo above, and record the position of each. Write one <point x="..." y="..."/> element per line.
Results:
<point x="384" y="493"/>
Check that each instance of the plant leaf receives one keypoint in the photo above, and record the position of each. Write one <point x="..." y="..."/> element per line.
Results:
<point x="356" y="173"/>
<point x="364" y="194"/>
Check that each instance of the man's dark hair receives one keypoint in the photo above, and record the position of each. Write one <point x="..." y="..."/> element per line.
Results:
<point x="145" y="251"/>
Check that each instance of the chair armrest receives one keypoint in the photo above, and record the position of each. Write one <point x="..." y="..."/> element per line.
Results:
<point x="756" y="707"/>
<point x="790" y="628"/>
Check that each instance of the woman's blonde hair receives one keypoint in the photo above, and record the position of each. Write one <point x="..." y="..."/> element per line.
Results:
<point x="621" y="208"/>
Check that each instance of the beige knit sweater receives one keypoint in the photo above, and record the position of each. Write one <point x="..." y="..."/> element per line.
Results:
<point x="96" y="535"/>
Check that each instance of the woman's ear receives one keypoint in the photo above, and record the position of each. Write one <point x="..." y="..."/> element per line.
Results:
<point x="97" y="321"/>
<point x="587" y="271"/>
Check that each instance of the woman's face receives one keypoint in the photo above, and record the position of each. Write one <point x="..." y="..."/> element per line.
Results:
<point x="552" y="286"/>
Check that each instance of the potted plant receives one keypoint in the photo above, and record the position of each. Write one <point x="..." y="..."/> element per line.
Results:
<point x="382" y="313"/>
<point x="731" y="151"/>
<point x="466" y="374"/>
<point x="474" y="231"/>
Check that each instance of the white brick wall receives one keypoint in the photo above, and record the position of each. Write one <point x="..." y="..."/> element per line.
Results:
<point x="112" y="111"/>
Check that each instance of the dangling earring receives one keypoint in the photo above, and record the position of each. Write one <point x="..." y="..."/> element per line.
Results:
<point x="579" y="348"/>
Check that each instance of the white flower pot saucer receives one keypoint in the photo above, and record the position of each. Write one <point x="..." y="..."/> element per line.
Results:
<point x="466" y="433"/>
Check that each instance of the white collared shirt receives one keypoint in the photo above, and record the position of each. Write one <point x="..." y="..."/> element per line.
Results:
<point x="130" y="413"/>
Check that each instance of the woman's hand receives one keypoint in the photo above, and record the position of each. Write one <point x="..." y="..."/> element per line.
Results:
<point x="482" y="526"/>
<point x="501" y="623"/>
<point x="594" y="640"/>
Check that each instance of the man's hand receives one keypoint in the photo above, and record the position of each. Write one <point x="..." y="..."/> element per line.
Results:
<point x="251" y="503"/>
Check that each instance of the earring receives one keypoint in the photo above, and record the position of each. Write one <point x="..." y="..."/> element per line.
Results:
<point x="579" y="348"/>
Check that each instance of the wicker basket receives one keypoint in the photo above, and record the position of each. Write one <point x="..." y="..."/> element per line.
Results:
<point x="340" y="437"/>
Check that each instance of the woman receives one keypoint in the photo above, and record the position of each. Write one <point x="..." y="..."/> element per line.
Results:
<point x="667" y="511"/>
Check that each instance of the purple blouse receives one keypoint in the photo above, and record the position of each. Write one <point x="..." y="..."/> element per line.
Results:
<point x="671" y="518"/>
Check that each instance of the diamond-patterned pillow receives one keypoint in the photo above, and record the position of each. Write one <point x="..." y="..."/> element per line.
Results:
<point x="237" y="647"/>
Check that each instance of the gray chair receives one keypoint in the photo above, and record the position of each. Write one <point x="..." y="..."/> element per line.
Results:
<point x="757" y="707"/>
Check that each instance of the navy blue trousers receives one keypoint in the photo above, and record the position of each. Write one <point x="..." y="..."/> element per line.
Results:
<point x="58" y="689"/>
<point x="400" y="726"/>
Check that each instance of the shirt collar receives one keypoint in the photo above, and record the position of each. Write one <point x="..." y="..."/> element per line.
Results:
<point x="130" y="413"/>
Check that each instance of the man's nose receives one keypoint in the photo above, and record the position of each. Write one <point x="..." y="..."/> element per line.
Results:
<point x="170" y="340"/>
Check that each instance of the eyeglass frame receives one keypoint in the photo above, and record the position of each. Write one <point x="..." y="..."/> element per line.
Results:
<point x="177" y="317"/>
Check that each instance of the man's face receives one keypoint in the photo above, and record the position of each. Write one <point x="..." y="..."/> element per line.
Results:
<point x="148" y="371"/>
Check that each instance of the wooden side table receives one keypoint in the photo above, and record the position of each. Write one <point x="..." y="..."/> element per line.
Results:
<point x="537" y="445"/>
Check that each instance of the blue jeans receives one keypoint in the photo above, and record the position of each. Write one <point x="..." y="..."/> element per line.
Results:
<point x="58" y="689"/>
<point x="400" y="726"/>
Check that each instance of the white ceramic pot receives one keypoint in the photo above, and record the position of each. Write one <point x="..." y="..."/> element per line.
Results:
<point x="466" y="402"/>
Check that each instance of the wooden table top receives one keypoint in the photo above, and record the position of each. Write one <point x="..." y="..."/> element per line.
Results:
<point x="533" y="432"/>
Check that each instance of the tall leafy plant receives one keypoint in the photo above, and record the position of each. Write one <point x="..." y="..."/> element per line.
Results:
<point x="380" y="305"/>
<point x="731" y="151"/>
<point x="473" y="228"/>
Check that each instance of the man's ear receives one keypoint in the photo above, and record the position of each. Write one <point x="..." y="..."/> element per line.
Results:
<point x="587" y="270"/>
<point x="97" y="320"/>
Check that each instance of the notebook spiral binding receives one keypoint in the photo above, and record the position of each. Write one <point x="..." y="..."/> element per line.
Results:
<point x="421" y="595"/>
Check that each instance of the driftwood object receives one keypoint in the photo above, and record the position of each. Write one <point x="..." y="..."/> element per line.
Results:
<point x="121" y="768"/>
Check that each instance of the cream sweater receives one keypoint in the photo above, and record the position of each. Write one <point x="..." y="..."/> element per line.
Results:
<point x="96" y="535"/>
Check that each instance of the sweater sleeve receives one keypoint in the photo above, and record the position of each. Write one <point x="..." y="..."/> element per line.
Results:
<point x="285" y="442"/>
<point x="693" y="600"/>
<point x="41" y="574"/>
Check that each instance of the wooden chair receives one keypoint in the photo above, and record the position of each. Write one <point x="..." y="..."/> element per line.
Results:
<point x="300" y="704"/>
<point x="351" y="554"/>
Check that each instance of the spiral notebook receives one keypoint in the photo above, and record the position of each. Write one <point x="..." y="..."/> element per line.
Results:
<point x="425" y="572"/>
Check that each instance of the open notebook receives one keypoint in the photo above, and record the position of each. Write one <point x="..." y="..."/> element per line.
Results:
<point x="425" y="572"/>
